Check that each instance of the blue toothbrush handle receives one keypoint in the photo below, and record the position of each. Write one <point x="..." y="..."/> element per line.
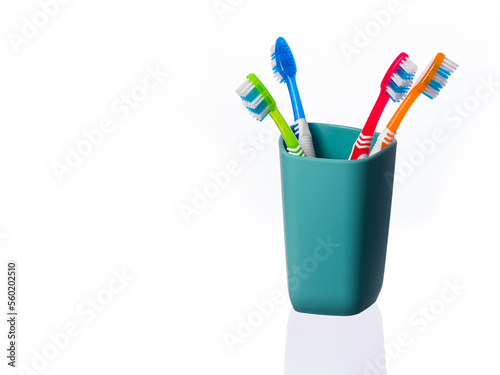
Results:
<point x="298" y="111"/>
<point x="300" y="127"/>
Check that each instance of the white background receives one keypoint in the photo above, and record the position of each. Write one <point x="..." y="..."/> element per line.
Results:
<point x="195" y="279"/>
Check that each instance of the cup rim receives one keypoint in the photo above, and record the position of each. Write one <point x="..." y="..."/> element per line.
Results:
<point x="284" y="152"/>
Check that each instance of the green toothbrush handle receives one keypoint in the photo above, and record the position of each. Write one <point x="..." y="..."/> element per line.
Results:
<point x="290" y="139"/>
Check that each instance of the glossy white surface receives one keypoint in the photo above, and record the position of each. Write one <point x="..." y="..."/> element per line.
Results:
<point x="106" y="253"/>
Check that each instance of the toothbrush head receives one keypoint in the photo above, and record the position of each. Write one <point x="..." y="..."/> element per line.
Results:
<point x="399" y="78"/>
<point x="282" y="60"/>
<point x="256" y="98"/>
<point x="435" y="76"/>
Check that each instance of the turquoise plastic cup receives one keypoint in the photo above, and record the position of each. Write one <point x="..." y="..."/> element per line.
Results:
<point x="336" y="216"/>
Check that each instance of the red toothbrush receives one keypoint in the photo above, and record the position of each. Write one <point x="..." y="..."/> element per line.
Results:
<point x="395" y="85"/>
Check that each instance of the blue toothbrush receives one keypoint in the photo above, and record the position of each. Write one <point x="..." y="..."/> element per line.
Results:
<point x="285" y="69"/>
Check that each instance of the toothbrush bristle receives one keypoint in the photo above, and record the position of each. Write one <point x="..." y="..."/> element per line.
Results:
<point x="440" y="79"/>
<point x="255" y="97"/>
<point x="401" y="80"/>
<point x="282" y="61"/>
<point x="275" y="69"/>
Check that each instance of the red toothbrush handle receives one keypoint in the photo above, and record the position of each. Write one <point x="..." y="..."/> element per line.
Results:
<point x="361" y="148"/>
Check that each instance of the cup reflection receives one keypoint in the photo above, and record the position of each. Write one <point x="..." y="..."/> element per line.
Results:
<point x="321" y="344"/>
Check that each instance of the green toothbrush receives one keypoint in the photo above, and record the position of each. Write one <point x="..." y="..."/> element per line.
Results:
<point x="260" y="103"/>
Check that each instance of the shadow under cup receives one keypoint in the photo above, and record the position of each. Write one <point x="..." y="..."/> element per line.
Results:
<point x="336" y="215"/>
